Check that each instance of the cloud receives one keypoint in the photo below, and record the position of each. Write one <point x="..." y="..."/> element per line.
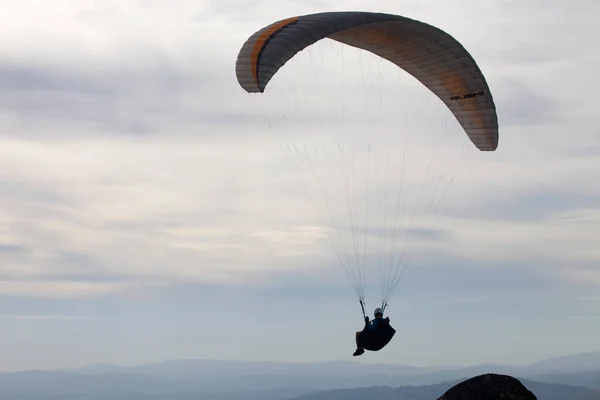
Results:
<point x="325" y="306"/>
<point x="522" y="104"/>
<point x="114" y="100"/>
<point x="584" y="152"/>
<point x="477" y="299"/>
<point x="8" y="248"/>
<point x="534" y="203"/>
<point x="42" y="317"/>
<point x="586" y="298"/>
<point x="66" y="289"/>
<point x="130" y="159"/>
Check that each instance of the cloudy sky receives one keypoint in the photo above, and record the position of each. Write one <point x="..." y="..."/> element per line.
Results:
<point x="151" y="210"/>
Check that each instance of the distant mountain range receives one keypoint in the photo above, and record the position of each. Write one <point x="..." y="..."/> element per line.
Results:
<point x="543" y="391"/>
<point x="575" y="369"/>
<point x="577" y="375"/>
<point x="112" y="387"/>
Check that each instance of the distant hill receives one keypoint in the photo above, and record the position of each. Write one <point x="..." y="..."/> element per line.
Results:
<point x="429" y="392"/>
<point x="568" y="363"/>
<point x="590" y="379"/>
<point x="58" y="385"/>
<point x="552" y="391"/>
<point x="489" y="387"/>
<point x="55" y="382"/>
<point x="192" y="368"/>
<point x="215" y="375"/>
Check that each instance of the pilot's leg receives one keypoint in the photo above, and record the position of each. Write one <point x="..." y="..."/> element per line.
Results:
<point x="359" y="350"/>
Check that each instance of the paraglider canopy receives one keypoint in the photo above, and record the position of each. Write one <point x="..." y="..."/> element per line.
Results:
<point x="432" y="57"/>
<point x="429" y="54"/>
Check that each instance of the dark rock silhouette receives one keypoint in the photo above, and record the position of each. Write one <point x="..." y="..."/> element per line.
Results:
<point x="489" y="387"/>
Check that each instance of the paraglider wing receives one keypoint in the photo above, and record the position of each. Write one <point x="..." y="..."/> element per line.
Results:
<point x="429" y="54"/>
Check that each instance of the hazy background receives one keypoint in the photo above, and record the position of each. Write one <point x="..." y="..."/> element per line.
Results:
<point x="148" y="213"/>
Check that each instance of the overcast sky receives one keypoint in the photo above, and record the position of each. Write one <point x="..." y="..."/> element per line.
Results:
<point x="148" y="210"/>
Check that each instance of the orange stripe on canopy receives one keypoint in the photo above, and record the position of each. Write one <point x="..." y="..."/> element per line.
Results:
<point x="260" y="42"/>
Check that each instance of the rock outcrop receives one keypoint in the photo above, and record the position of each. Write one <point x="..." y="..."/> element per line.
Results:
<point x="489" y="387"/>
